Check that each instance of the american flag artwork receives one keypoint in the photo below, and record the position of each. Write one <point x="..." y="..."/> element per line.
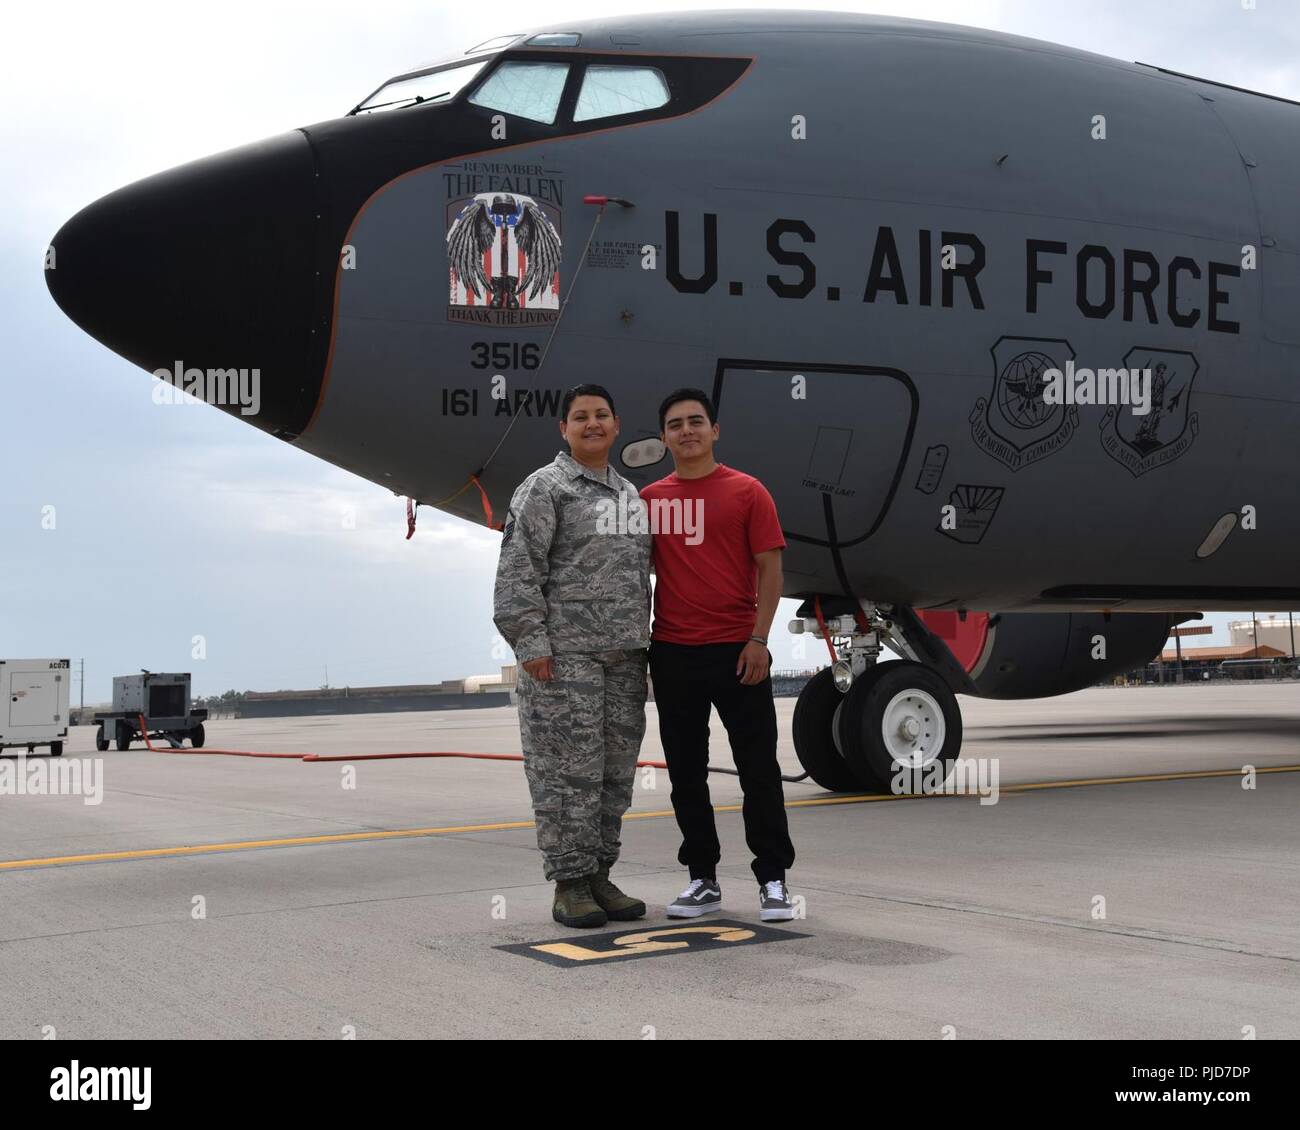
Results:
<point x="503" y="257"/>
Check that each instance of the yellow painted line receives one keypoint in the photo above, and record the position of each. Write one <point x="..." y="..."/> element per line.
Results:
<point x="1188" y="776"/>
<point x="864" y="798"/>
<point x="249" y="845"/>
<point x="517" y="825"/>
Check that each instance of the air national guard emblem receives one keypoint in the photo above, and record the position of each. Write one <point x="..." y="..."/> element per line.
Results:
<point x="503" y="257"/>
<point x="1015" y="424"/>
<point x="1143" y="443"/>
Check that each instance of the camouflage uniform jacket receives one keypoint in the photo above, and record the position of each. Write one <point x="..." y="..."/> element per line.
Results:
<point x="571" y="577"/>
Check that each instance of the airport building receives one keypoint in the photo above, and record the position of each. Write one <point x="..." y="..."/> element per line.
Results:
<point x="474" y="692"/>
<point x="1241" y="661"/>
<point x="1274" y="630"/>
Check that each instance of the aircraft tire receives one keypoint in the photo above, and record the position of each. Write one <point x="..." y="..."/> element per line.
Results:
<point x="900" y="715"/>
<point x="814" y="742"/>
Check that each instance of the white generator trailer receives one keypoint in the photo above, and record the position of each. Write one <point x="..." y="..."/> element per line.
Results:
<point x="35" y="703"/>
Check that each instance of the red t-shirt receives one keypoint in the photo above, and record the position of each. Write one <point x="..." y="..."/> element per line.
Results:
<point x="706" y="534"/>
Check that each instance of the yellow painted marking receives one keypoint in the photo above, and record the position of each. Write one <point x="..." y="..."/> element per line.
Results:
<point x="643" y="942"/>
<point x="724" y="933"/>
<point x="1189" y="776"/>
<point x="248" y="845"/>
<point x="517" y="825"/>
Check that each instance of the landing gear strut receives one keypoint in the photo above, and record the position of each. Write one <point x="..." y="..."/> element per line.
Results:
<point x="862" y="724"/>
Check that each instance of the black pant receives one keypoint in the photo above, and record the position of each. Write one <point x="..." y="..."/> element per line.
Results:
<point x="687" y="679"/>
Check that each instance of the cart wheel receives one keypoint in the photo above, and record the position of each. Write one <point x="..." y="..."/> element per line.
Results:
<point x="101" y="742"/>
<point x="56" y="749"/>
<point x="197" y="736"/>
<point x="123" y="736"/>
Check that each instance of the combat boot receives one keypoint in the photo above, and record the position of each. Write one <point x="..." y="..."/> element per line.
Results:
<point x="618" y="906"/>
<point x="574" y="905"/>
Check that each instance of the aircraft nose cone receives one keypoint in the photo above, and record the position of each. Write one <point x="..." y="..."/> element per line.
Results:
<point x="209" y="266"/>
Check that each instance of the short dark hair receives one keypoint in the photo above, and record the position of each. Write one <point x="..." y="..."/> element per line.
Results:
<point x="584" y="390"/>
<point x="678" y="395"/>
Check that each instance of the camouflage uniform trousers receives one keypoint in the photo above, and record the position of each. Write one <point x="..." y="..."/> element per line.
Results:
<point x="581" y="734"/>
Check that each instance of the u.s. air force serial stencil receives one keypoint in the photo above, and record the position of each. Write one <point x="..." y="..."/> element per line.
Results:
<point x="600" y="949"/>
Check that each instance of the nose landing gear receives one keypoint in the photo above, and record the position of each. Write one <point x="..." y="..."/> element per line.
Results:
<point x="882" y="727"/>
<point x="896" y="723"/>
<point x="815" y="715"/>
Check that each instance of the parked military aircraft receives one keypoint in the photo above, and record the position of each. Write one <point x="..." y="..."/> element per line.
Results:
<point x="878" y="243"/>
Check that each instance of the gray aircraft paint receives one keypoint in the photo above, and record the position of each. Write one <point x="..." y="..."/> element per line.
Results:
<point x="918" y="128"/>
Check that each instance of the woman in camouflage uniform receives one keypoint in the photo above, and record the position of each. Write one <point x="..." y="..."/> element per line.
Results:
<point x="572" y="598"/>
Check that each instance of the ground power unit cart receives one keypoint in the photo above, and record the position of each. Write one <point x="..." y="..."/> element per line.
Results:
<point x="34" y="704"/>
<point x="163" y="700"/>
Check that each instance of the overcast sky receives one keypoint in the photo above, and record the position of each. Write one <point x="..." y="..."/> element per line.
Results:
<point x="179" y="522"/>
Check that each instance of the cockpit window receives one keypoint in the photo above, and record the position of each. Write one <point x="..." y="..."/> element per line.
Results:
<point x="555" y="39"/>
<point x="433" y="86"/>
<point x="500" y="43"/>
<point x="609" y="91"/>
<point x="526" y="90"/>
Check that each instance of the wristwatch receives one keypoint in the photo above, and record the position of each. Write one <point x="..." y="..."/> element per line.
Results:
<point x="760" y="639"/>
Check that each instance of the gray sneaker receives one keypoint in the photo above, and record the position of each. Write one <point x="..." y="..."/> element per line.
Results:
<point x="774" y="902"/>
<point x="702" y="896"/>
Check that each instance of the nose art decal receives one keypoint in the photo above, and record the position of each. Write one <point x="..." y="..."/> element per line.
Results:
<point x="503" y="260"/>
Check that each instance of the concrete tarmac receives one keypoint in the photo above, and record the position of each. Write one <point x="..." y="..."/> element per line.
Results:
<point x="227" y="897"/>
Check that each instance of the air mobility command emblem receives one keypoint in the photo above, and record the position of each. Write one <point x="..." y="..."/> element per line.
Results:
<point x="1015" y="424"/>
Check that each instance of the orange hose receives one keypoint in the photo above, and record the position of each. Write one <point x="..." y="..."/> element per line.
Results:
<point x="144" y="733"/>
<point x="479" y="756"/>
<point x="821" y="623"/>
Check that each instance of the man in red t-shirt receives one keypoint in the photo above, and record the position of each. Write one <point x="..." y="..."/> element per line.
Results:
<point x="717" y="560"/>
